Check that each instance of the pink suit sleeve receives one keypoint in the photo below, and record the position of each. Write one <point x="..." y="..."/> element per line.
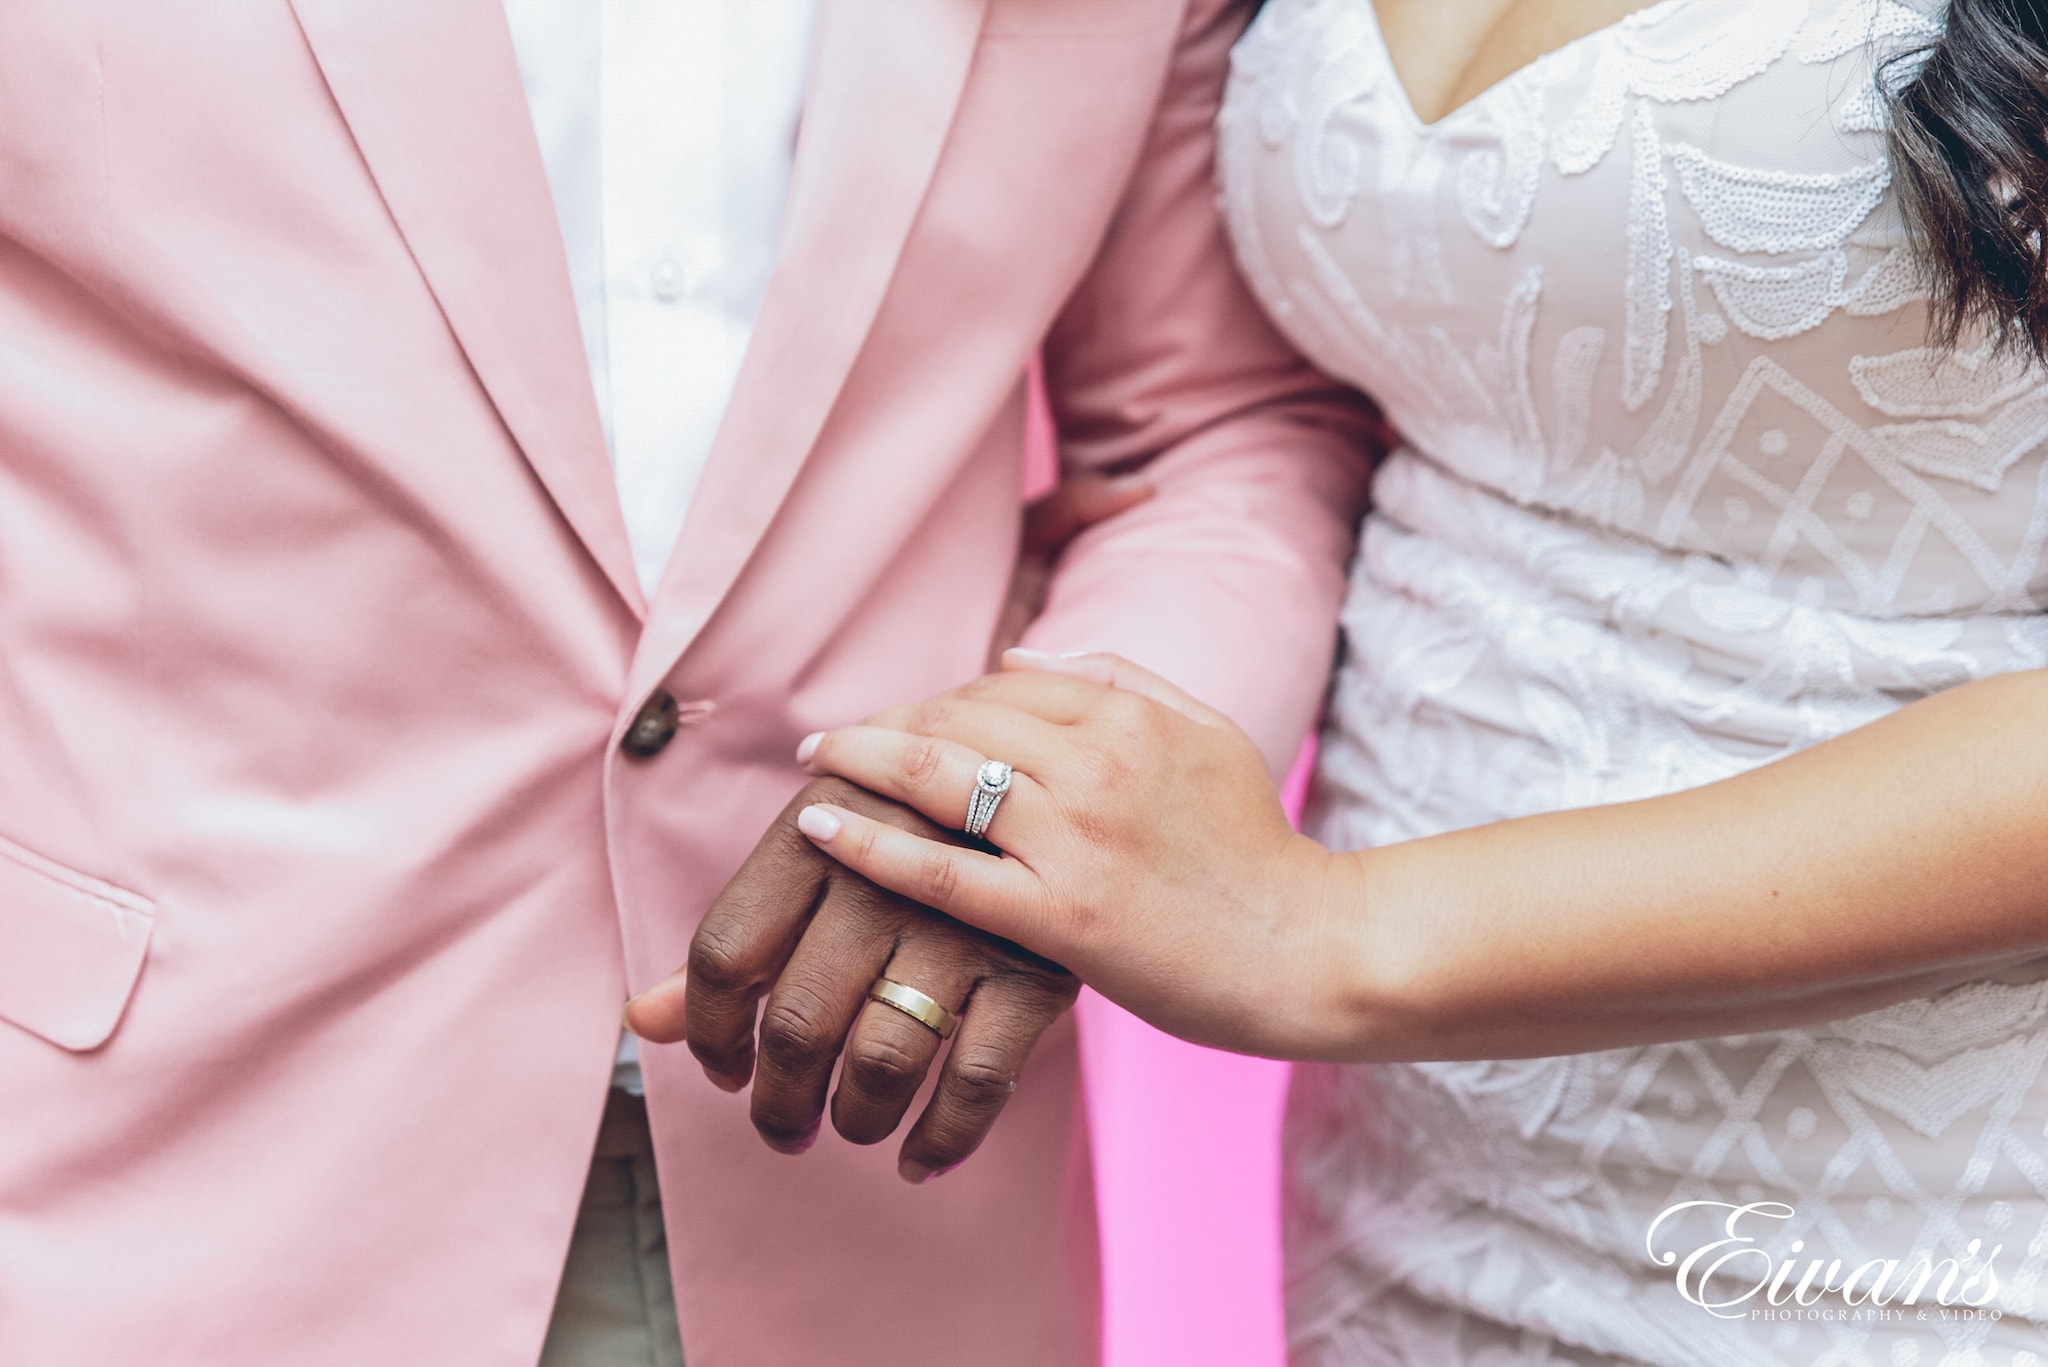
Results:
<point x="1228" y="580"/>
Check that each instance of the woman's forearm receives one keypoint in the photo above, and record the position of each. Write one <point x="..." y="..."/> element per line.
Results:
<point x="1894" y="861"/>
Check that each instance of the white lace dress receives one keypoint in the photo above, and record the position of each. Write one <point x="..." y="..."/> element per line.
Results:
<point x="1681" y="492"/>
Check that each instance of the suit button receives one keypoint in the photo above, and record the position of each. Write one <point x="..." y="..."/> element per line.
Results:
<point x="654" y="726"/>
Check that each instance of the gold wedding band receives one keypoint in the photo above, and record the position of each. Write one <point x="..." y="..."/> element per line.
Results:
<point x="915" y="1005"/>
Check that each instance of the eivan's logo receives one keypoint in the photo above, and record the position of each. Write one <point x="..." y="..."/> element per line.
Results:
<point x="1729" y="1262"/>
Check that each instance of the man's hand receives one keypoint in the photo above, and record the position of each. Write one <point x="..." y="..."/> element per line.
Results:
<point x="798" y="927"/>
<point x="801" y="929"/>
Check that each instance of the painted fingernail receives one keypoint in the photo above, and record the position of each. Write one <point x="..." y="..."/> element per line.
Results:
<point x="819" y="823"/>
<point x="808" y="746"/>
<point x="1048" y="661"/>
<point x="910" y="1170"/>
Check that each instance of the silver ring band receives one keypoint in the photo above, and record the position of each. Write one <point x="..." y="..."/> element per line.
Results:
<point x="991" y="781"/>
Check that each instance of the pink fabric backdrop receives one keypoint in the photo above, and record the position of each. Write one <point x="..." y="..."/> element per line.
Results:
<point x="1187" y="1175"/>
<point x="1186" y="1167"/>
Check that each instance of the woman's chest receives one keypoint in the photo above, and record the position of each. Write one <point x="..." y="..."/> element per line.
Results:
<point x="1653" y="279"/>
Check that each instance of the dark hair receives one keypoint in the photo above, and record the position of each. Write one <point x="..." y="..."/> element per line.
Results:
<point x="1969" y="149"/>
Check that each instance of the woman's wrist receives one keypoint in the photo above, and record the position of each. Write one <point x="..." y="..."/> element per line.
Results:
<point x="1379" y="933"/>
<point x="1345" y="967"/>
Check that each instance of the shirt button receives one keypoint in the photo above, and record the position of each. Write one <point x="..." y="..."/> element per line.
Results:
<point x="654" y="726"/>
<point x="666" y="279"/>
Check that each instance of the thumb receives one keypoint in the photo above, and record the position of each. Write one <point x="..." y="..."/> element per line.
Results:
<point x="657" y="1013"/>
<point x="1114" y="670"/>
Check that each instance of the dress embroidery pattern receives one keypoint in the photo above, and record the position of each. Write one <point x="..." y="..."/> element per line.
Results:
<point x="1682" y="491"/>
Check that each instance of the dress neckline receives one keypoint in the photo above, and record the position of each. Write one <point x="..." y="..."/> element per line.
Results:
<point x="1414" y="117"/>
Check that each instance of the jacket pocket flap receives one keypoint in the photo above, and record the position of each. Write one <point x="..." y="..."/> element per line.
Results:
<point x="71" y="948"/>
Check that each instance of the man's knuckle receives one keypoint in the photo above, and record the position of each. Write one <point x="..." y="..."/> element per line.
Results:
<point x="718" y="961"/>
<point x="959" y="946"/>
<point x="983" y="1077"/>
<point x="884" y="1069"/>
<point x="853" y="899"/>
<point x="1038" y="986"/>
<point x="794" y="1034"/>
<point x="1061" y="988"/>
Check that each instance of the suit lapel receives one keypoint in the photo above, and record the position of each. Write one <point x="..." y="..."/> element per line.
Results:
<point x="884" y="83"/>
<point x="431" y="93"/>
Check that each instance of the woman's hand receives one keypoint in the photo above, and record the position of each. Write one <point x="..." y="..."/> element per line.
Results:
<point x="1142" y="845"/>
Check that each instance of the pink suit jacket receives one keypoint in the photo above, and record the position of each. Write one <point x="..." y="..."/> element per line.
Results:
<point x="323" y="876"/>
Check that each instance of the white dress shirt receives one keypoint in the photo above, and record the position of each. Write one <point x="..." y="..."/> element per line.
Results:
<point x="667" y="128"/>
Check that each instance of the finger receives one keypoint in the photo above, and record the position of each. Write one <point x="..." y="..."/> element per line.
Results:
<point x="998" y="1028"/>
<point x="935" y="776"/>
<point x="657" y="1015"/>
<point x="736" y="954"/>
<point x="808" y="1015"/>
<point x="999" y="895"/>
<point x="1078" y="504"/>
<point x="889" y="1052"/>
<point x="1116" y="672"/>
<point x="1058" y="698"/>
<point x="995" y="729"/>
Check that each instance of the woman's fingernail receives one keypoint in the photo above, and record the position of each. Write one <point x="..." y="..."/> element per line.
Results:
<point x="819" y="823"/>
<point x="1049" y="662"/>
<point x="808" y="746"/>
<point x="626" y="1012"/>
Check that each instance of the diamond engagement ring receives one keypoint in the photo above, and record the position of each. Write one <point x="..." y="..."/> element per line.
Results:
<point x="990" y="783"/>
